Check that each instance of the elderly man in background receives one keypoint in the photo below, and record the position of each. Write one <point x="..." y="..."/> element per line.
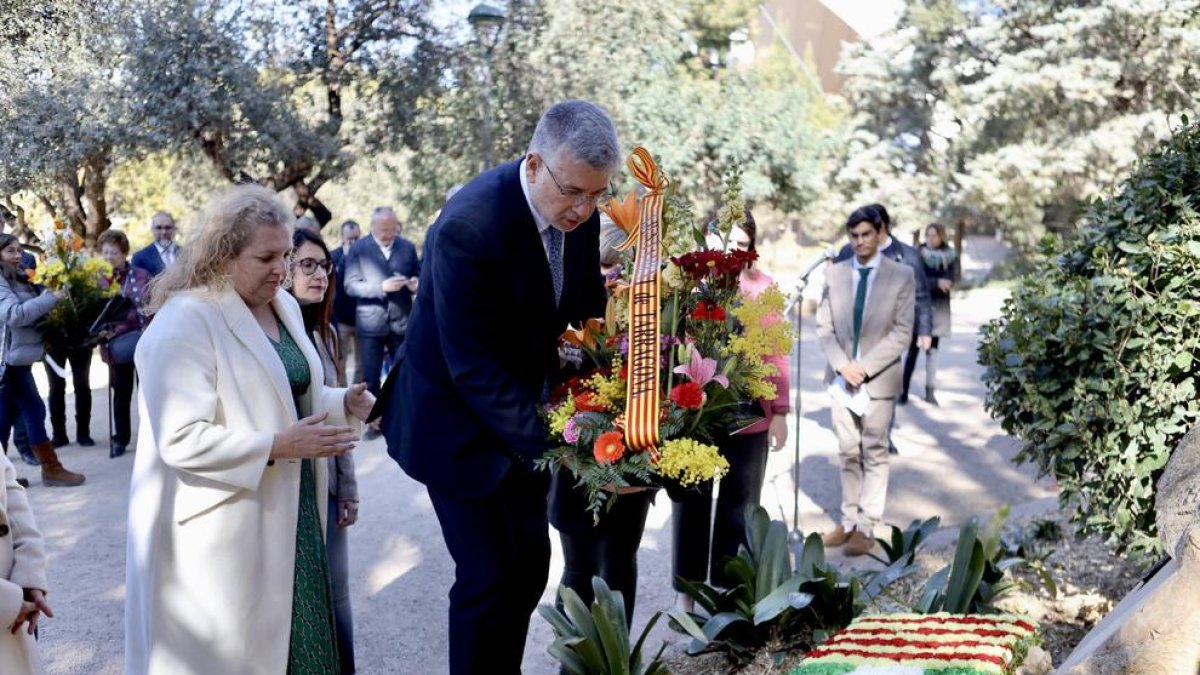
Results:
<point x="381" y="275"/>
<point x="159" y="254"/>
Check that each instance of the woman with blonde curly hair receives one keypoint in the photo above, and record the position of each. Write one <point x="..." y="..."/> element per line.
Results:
<point x="225" y="562"/>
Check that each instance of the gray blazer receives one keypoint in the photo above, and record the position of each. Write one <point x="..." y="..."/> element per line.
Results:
<point x="887" y="325"/>
<point x="343" y="485"/>
<point x="21" y="307"/>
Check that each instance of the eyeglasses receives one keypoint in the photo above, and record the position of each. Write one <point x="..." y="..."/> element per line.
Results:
<point x="310" y="265"/>
<point x="600" y="198"/>
<point x="164" y="228"/>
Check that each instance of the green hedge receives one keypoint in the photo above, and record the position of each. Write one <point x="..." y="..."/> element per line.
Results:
<point x="1092" y="362"/>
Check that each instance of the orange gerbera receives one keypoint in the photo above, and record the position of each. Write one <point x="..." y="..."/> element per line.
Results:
<point x="609" y="447"/>
<point x="76" y="244"/>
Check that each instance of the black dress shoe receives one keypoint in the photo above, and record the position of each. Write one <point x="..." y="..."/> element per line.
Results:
<point x="930" y="398"/>
<point x="60" y="440"/>
<point x="23" y="482"/>
<point x="85" y="441"/>
<point x="902" y="399"/>
<point x="116" y="450"/>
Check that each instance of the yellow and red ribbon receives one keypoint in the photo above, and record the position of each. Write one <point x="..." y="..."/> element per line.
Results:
<point x="645" y="349"/>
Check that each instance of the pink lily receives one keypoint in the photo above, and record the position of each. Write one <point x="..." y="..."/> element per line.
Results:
<point x="701" y="370"/>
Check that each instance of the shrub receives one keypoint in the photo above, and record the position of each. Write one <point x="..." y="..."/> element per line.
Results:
<point x="1092" y="362"/>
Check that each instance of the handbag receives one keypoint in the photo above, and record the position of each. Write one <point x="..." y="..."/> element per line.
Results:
<point x="122" y="347"/>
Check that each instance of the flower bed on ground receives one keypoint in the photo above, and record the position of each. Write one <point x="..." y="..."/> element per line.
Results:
<point x="1091" y="580"/>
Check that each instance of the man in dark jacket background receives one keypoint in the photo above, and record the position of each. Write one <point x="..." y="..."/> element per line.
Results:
<point x="344" y="306"/>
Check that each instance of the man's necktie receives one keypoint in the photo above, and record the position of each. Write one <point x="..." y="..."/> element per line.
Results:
<point x="860" y="302"/>
<point x="554" y="245"/>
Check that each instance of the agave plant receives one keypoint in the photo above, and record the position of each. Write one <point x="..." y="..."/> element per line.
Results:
<point x="773" y="603"/>
<point x="596" y="641"/>
<point x="979" y="574"/>
<point x="903" y="544"/>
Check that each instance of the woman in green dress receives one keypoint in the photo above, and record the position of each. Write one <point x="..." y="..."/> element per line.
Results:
<point x="226" y="569"/>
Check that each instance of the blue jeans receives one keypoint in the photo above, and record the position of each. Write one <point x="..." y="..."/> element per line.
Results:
<point x="336" y="551"/>
<point x="17" y="386"/>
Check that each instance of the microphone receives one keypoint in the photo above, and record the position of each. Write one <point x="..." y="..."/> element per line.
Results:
<point x="828" y="254"/>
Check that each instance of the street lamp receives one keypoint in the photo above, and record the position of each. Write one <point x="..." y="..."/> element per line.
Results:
<point x="487" y="22"/>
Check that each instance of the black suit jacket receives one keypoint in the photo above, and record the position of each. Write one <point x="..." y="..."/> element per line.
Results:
<point x="378" y="313"/>
<point x="483" y="338"/>
<point x="150" y="260"/>
<point x="904" y="254"/>
<point x="344" y="306"/>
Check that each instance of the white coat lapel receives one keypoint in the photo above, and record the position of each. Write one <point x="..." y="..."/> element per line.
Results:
<point x="242" y="324"/>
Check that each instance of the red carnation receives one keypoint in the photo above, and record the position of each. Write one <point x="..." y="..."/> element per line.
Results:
<point x="716" y="312"/>
<point x="688" y="395"/>
<point x="609" y="447"/>
<point x="701" y="312"/>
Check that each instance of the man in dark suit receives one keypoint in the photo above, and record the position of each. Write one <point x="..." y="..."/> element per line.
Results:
<point x="513" y="256"/>
<point x="161" y="252"/>
<point x="381" y="275"/>
<point x="344" y="306"/>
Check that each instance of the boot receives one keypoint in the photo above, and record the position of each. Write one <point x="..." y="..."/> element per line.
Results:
<point x="53" y="473"/>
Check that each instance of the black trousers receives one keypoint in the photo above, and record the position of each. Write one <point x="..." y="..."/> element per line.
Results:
<point x="910" y="360"/>
<point x="608" y="551"/>
<point x="80" y="360"/>
<point x="373" y="349"/>
<point x="121" y="376"/>
<point x="501" y="549"/>
<point x="697" y="555"/>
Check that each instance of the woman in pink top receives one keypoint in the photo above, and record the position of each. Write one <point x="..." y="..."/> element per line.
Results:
<point x="695" y="557"/>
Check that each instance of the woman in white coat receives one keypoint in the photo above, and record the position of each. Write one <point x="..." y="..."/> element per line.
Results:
<point x="22" y="578"/>
<point x="225" y="562"/>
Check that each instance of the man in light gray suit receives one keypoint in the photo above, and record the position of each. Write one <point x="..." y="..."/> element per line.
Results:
<point x="864" y="325"/>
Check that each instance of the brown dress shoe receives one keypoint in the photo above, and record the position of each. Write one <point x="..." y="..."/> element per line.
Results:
<point x="859" y="544"/>
<point x="836" y="537"/>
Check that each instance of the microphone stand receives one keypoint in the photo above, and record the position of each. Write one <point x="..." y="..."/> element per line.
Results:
<point x="794" y="305"/>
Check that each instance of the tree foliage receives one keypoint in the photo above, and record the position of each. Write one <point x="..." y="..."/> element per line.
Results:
<point x="1092" y="363"/>
<point x="647" y="64"/>
<point x="1014" y="113"/>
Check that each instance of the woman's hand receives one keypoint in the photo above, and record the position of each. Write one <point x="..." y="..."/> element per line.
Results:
<point x="359" y="401"/>
<point x="777" y="432"/>
<point x="347" y="513"/>
<point x="311" y="437"/>
<point x="32" y="607"/>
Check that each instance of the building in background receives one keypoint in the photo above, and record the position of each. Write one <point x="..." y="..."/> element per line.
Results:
<point x="815" y="30"/>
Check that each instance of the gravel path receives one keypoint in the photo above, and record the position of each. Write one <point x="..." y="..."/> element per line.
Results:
<point x="954" y="462"/>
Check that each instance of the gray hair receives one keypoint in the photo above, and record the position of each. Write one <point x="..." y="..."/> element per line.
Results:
<point x="580" y="128"/>
<point x="381" y="211"/>
<point x="310" y="224"/>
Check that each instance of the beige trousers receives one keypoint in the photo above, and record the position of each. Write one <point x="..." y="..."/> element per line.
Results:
<point x="351" y="354"/>
<point x="863" y="451"/>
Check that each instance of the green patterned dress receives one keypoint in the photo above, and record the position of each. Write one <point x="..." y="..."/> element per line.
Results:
<point x="313" y="647"/>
